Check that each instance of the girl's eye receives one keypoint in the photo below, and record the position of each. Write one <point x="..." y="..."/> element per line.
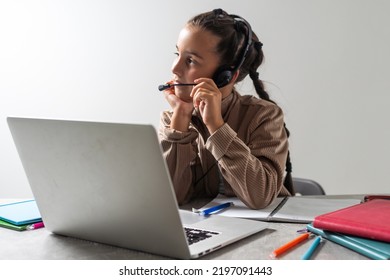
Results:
<point x="189" y="60"/>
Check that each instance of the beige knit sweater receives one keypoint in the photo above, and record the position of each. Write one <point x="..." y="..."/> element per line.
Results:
<point x="245" y="157"/>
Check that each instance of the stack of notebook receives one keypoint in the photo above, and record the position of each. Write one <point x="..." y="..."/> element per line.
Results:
<point x="19" y="215"/>
<point x="364" y="228"/>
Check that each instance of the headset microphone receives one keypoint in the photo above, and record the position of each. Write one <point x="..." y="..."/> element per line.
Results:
<point x="167" y="86"/>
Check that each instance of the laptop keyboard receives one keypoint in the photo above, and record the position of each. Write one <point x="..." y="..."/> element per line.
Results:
<point x="195" y="235"/>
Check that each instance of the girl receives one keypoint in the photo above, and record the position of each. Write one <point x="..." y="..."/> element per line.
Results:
<point x="214" y="140"/>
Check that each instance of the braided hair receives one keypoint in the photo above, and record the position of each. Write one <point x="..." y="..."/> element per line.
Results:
<point x="232" y="34"/>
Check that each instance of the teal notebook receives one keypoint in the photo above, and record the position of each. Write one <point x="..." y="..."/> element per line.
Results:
<point x="20" y="213"/>
<point x="373" y="249"/>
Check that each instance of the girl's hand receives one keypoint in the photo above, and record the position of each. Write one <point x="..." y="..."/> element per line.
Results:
<point x="207" y="99"/>
<point x="176" y="103"/>
<point x="182" y="111"/>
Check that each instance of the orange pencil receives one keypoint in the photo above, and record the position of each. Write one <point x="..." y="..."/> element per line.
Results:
<point x="289" y="245"/>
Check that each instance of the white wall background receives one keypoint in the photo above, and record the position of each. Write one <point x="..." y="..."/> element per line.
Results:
<point x="327" y="65"/>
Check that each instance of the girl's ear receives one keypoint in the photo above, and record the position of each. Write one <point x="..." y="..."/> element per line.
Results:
<point x="235" y="76"/>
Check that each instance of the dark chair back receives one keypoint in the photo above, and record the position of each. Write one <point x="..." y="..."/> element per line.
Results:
<point x="307" y="187"/>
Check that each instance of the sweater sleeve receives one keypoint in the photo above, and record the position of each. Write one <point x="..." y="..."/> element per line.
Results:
<point x="254" y="170"/>
<point x="179" y="150"/>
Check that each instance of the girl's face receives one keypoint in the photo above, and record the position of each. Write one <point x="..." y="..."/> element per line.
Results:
<point x="196" y="57"/>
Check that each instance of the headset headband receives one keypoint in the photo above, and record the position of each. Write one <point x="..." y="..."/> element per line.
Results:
<point x="224" y="74"/>
<point x="248" y="41"/>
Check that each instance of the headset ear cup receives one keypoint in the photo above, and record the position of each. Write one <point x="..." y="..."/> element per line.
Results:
<point x="223" y="76"/>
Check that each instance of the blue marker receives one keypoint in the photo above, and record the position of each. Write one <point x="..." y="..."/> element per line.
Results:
<point x="312" y="248"/>
<point x="213" y="209"/>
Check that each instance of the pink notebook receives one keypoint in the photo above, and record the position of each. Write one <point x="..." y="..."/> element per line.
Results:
<point x="370" y="219"/>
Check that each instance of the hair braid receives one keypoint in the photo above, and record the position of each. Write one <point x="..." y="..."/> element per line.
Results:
<point x="260" y="90"/>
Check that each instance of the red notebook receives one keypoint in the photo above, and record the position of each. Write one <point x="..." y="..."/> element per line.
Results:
<point x="370" y="219"/>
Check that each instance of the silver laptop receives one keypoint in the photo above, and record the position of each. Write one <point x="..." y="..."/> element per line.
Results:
<point x="108" y="183"/>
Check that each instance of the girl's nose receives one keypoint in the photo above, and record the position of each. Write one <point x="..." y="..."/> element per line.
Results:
<point x="176" y="67"/>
